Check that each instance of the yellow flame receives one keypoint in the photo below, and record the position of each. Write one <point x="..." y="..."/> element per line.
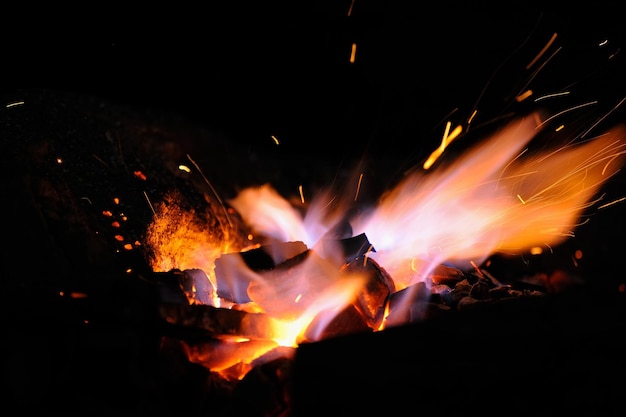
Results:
<point x="445" y="141"/>
<point x="497" y="197"/>
<point x="490" y="200"/>
<point x="186" y="239"/>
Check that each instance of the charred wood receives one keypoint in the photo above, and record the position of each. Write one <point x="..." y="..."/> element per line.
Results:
<point x="372" y="300"/>
<point x="218" y="321"/>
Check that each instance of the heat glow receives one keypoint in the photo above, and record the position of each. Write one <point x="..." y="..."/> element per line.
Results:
<point x="498" y="197"/>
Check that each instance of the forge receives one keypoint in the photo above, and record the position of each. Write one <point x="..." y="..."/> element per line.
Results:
<point x="335" y="208"/>
<point x="92" y="325"/>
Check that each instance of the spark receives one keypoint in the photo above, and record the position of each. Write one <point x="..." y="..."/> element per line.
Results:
<point x="613" y="55"/>
<point x="540" y="68"/>
<point x="140" y="175"/>
<point x="351" y="7"/>
<point x="149" y="203"/>
<point x="77" y="295"/>
<point x="619" y="200"/>
<point x="611" y="160"/>
<point x="566" y="111"/>
<point x="300" y="190"/>
<point x="358" y="187"/>
<point x="469" y="120"/>
<point x="15" y="104"/>
<point x="524" y="96"/>
<point x="212" y="189"/>
<point x="546" y="96"/>
<point x="185" y="168"/>
<point x="603" y="117"/>
<point x="543" y="51"/>
<point x="478" y="271"/>
<point x="353" y="54"/>
<point x="521" y="199"/>
<point x="275" y="139"/>
<point x="445" y="141"/>
<point x="100" y="160"/>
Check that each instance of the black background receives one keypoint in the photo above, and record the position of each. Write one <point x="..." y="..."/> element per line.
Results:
<point x="251" y="70"/>
<point x="282" y="68"/>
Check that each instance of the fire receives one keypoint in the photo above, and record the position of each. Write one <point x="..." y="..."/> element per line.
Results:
<point x="498" y="197"/>
<point x="181" y="238"/>
<point x="495" y="198"/>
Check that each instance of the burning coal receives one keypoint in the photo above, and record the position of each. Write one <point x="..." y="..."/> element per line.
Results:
<point x="498" y="197"/>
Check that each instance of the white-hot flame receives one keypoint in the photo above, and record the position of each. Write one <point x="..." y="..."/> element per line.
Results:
<point x="497" y="197"/>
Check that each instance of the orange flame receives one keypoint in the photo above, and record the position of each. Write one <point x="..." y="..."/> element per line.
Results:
<point x="493" y="199"/>
<point x="498" y="197"/>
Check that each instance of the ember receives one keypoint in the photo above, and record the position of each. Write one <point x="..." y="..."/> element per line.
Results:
<point x="259" y="266"/>
<point x="461" y="217"/>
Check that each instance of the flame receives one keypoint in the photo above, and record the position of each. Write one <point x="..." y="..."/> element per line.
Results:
<point x="183" y="239"/>
<point x="497" y="197"/>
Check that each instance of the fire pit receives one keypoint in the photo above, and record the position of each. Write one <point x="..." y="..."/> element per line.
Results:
<point x="110" y="329"/>
<point x="157" y="267"/>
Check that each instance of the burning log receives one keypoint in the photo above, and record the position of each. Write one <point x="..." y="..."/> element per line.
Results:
<point x="348" y="321"/>
<point x="235" y="271"/>
<point x="372" y="300"/>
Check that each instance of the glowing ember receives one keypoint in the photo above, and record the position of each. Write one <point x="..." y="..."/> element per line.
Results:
<point x="498" y="197"/>
<point x="182" y="238"/>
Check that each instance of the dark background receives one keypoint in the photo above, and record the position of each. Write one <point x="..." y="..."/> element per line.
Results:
<point x="250" y="70"/>
<point x="281" y="68"/>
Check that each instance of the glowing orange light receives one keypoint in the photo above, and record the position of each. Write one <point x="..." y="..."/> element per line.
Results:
<point x="77" y="295"/>
<point x="445" y="141"/>
<point x="543" y="51"/>
<point x="358" y="188"/>
<point x="524" y="96"/>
